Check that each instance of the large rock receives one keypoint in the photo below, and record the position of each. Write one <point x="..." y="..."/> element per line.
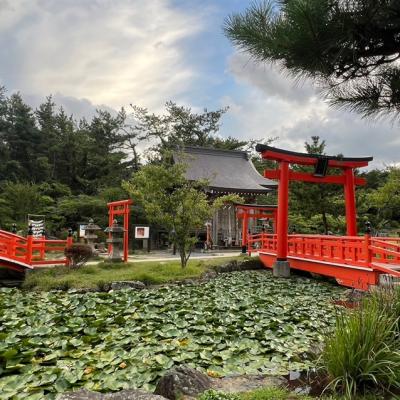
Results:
<point x="182" y="382"/>
<point x="84" y="394"/>
<point x="246" y="383"/>
<point x="118" y="285"/>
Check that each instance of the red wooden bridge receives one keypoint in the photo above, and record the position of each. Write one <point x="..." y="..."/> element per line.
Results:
<point x="20" y="253"/>
<point x="355" y="261"/>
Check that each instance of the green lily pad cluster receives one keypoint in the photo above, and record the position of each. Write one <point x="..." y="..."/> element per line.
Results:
<point x="244" y="322"/>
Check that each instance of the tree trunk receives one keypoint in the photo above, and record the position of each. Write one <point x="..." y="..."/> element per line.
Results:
<point x="184" y="259"/>
<point x="325" y="222"/>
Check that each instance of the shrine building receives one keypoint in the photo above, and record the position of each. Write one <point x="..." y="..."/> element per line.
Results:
<point x="229" y="172"/>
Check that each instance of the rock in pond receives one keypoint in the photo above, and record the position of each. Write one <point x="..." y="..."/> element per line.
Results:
<point x="84" y="394"/>
<point x="118" y="285"/>
<point x="182" y="382"/>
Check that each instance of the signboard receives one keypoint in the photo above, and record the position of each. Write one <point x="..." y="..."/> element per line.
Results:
<point x="37" y="222"/>
<point x="82" y="229"/>
<point x="142" y="232"/>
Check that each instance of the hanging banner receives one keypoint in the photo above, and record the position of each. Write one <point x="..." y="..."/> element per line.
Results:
<point x="38" y="225"/>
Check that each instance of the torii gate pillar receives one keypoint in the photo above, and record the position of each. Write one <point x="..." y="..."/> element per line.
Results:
<point x="281" y="267"/>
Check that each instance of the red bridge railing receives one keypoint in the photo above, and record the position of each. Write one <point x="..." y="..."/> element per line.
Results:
<point x="351" y="250"/>
<point x="32" y="251"/>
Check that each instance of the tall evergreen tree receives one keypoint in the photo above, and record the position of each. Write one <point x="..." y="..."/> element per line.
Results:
<point x="181" y="126"/>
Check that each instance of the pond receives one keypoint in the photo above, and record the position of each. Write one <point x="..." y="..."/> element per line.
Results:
<point x="243" y="322"/>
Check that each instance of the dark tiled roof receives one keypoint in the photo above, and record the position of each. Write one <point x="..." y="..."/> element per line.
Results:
<point x="228" y="171"/>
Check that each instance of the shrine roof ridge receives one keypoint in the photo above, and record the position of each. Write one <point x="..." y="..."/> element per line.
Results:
<point x="215" y="152"/>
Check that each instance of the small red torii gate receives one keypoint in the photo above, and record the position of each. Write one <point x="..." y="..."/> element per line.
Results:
<point x="246" y="212"/>
<point x="121" y="207"/>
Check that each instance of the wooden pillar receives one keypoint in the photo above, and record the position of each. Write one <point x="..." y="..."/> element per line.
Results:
<point x="29" y="246"/>
<point x="283" y="210"/>
<point x="274" y="220"/>
<point x="110" y="222"/>
<point x="350" y="199"/>
<point x="126" y="231"/>
<point x="244" y="231"/>
<point x="43" y="245"/>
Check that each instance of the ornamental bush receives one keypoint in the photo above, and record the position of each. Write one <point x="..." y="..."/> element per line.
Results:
<point x="78" y="254"/>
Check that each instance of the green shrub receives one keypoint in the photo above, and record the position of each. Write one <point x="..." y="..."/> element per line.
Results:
<point x="78" y="254"/>
<point x="363" y="353"/>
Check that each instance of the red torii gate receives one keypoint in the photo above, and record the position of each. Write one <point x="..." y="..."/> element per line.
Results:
<point x="321" y="164"/>
<point x="245" y="212"/>
<point x="121" y="207"/>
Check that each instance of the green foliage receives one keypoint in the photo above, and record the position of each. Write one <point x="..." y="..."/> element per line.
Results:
<point x="363" y="353"/>
<point x="317" y="207"/>
<point x="348" y="47"/>
<point x="172" y="201"/>
<point x="48" y="146"/>
<point x="226" y="199"/>
<point x="94" y="276"/>
<point x="78" y="254"/>
<point x="54" y="341"/>
<point x="180" y="126"/>
<point x="272" y="393"/>
<point x="386" y="199"/>
<point x="218" y="395"/>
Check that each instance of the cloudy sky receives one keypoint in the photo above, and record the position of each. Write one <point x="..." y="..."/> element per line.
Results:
<point x="110" y="53"/>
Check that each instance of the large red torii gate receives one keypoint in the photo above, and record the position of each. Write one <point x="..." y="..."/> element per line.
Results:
<point x="321" y="164"/>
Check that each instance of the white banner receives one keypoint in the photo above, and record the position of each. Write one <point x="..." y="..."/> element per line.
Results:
<point x="37" y="227"/>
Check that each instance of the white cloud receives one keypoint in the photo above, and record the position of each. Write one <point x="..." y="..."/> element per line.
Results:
<point x="110" y="52"/>
<point x="271" y="104"/>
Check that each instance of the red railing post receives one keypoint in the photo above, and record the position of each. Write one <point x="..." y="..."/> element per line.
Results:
<point x="244" y="232"/>
<point x="29" y="246"/>
<point x="43" y="245"/>
<point x="367" y="244"/>
<point x="69" y="242"/>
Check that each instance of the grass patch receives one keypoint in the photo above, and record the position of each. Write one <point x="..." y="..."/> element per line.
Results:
<point x="272" y="393"/>
<point x="98" y="276"/>
<point x="266" y="393"/>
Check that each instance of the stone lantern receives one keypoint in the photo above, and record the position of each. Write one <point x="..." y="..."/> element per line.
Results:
<point x="116" y="239"/>
<point x="90" y="234"/>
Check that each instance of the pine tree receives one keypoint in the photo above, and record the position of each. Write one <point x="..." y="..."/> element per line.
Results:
<point x="349" y="47"/>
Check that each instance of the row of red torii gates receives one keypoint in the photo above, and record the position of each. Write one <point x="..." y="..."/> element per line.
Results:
<point x="355" y="261"/>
